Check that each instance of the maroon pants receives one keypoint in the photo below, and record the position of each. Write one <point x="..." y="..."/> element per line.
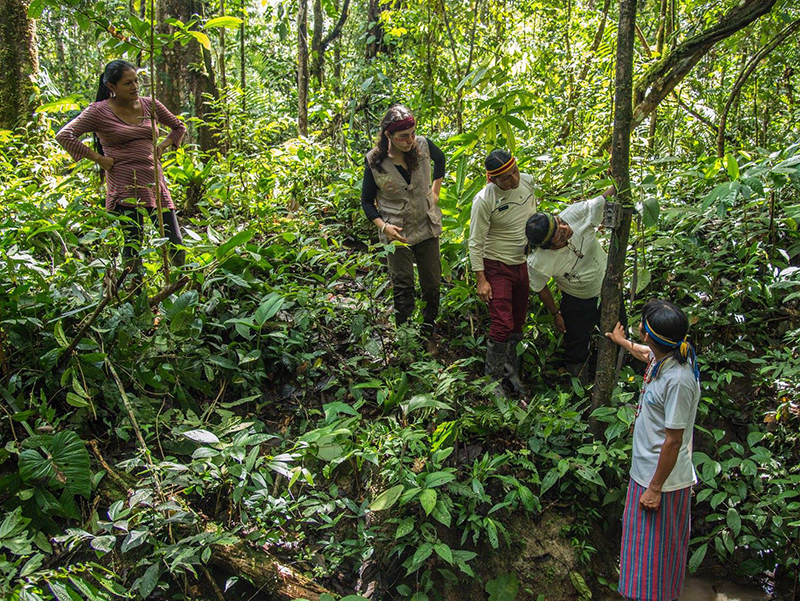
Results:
<point x="509" y="304"/>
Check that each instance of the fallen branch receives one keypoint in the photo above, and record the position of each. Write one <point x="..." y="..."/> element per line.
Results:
<point x="107" y="296"/>
<point x="274" y="579"/>
<point x="167" y="291"/>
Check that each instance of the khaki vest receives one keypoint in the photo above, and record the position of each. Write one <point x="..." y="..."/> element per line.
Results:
<point x="409" y="206"/>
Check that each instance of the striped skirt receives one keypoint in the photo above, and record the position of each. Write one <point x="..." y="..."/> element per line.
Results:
<point x="655" y="544"/>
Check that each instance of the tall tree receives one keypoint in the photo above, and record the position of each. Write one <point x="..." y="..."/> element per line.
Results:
<point x="620" y="171"/>
<point x="302" y="67"/>
<point x="19" y="62"/>
<point x="320" y="41"/>
<point x="742" y="79"/>
<point x="375" y="42"/>
<point x="660" y="79"/>
<point x="187" y="75"/>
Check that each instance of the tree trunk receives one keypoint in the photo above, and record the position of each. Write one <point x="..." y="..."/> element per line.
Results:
<point x="620" y="171"/>
<point x="660" y="79"/>
<point x="316" y="44"/>
<point x="19" y="63"/>
<point x="243" y="57"/>
<point x="222" y="75"/>
<point x="174" y="61"/>
<point x="302" y="67"/>
<point x="271" y="577"/>
<point x="566" y="128"/>
<point x="61" y="55"/>
<point x="374" y="30"/>
<point x="742" y="79"/>
<point x="319" y="44"/>
<point x="185" y="83"/>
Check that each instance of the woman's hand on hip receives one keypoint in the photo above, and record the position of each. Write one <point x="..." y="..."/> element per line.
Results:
<point x="106" y="163"/>
<point x="393" y="233"/>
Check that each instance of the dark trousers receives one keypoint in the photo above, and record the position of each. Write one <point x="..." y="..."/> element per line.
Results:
<point x="401" y="270"/>
<point x="509" y="304"/>
<point x="133" y="231"/>
<point x="581" y="317"/>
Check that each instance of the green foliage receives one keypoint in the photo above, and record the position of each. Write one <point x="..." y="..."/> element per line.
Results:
<point x="277" y="405"/>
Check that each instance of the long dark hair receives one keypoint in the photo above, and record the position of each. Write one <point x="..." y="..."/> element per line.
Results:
<point x="111" y="74"/>
<point x="667" y="321"/>
<point x="396" y="112"/>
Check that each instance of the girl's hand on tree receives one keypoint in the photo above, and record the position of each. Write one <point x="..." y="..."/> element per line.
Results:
<point x="393" y="233"/>
<point x="106" y="163"/>
<point x="618" y="335"/>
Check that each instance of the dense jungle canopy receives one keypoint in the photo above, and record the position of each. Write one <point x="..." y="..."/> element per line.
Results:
<point x="252" y="425"/>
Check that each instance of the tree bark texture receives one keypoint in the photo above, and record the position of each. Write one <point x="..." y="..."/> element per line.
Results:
<point x="320" y="41"/>
<point x="620" y="171"/>
<point x="745" y="74"/>
<point x="185" y="82"/>
<point x="302" y="67"/>
<point x="375" y="29"/>
<point x="19" y="62"/>
<point x="279" y="581"/>
<point x="660" y="79"/>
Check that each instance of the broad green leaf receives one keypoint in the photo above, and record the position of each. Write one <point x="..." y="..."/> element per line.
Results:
<point x="590" y="475"/>
<point x="697" y="557"/>
<point x="76" y="401"/>
<point x="734" y="521"/>
<point x="237" y="240"/>
<point x="58" y="332"/>
<point x="422" y="553"/>
<point x="550" y="478"/>
<point x="428" y="500"/>
<point x="731" y="166"/>
<point x="268" y="309"/>
<point x="134" y="539"/>
<point x="441" y="514"/>
<point x="103" y="543"/>
<point x="338" y="407"/>
<point x="62" y="105"/>
<point x="580" y="585"/>
<point x="405" y="527"/>
<point x="65" y="464"/>
<point x="227" y="21"/>
<point x="503" y="588"/>
<point x="58" y="588"/>
<point x="202" y="38"/>
<point x="423" y="401"/>
<point x="387" y="498"/>
<point x="438" y="478"/>
<point x="444" y="552"/>
<point x="149" y="580"/>
<point x="650" y="211"/>
<point x="203" y="436"/>
<point x="183" y="302"/>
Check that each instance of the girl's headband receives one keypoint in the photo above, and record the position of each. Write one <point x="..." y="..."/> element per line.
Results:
<point x="684" y="347"/>
<point x="406" y="123"/>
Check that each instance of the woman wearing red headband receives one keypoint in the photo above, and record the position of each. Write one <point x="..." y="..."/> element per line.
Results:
<point x="398" y="196"/>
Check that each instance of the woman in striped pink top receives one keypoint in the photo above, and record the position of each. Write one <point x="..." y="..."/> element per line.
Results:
<point x="120" y="121"/>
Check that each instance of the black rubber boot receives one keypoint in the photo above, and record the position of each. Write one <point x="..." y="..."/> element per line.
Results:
<point x="513" y="364"/>
<point x="496" y="364"/>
